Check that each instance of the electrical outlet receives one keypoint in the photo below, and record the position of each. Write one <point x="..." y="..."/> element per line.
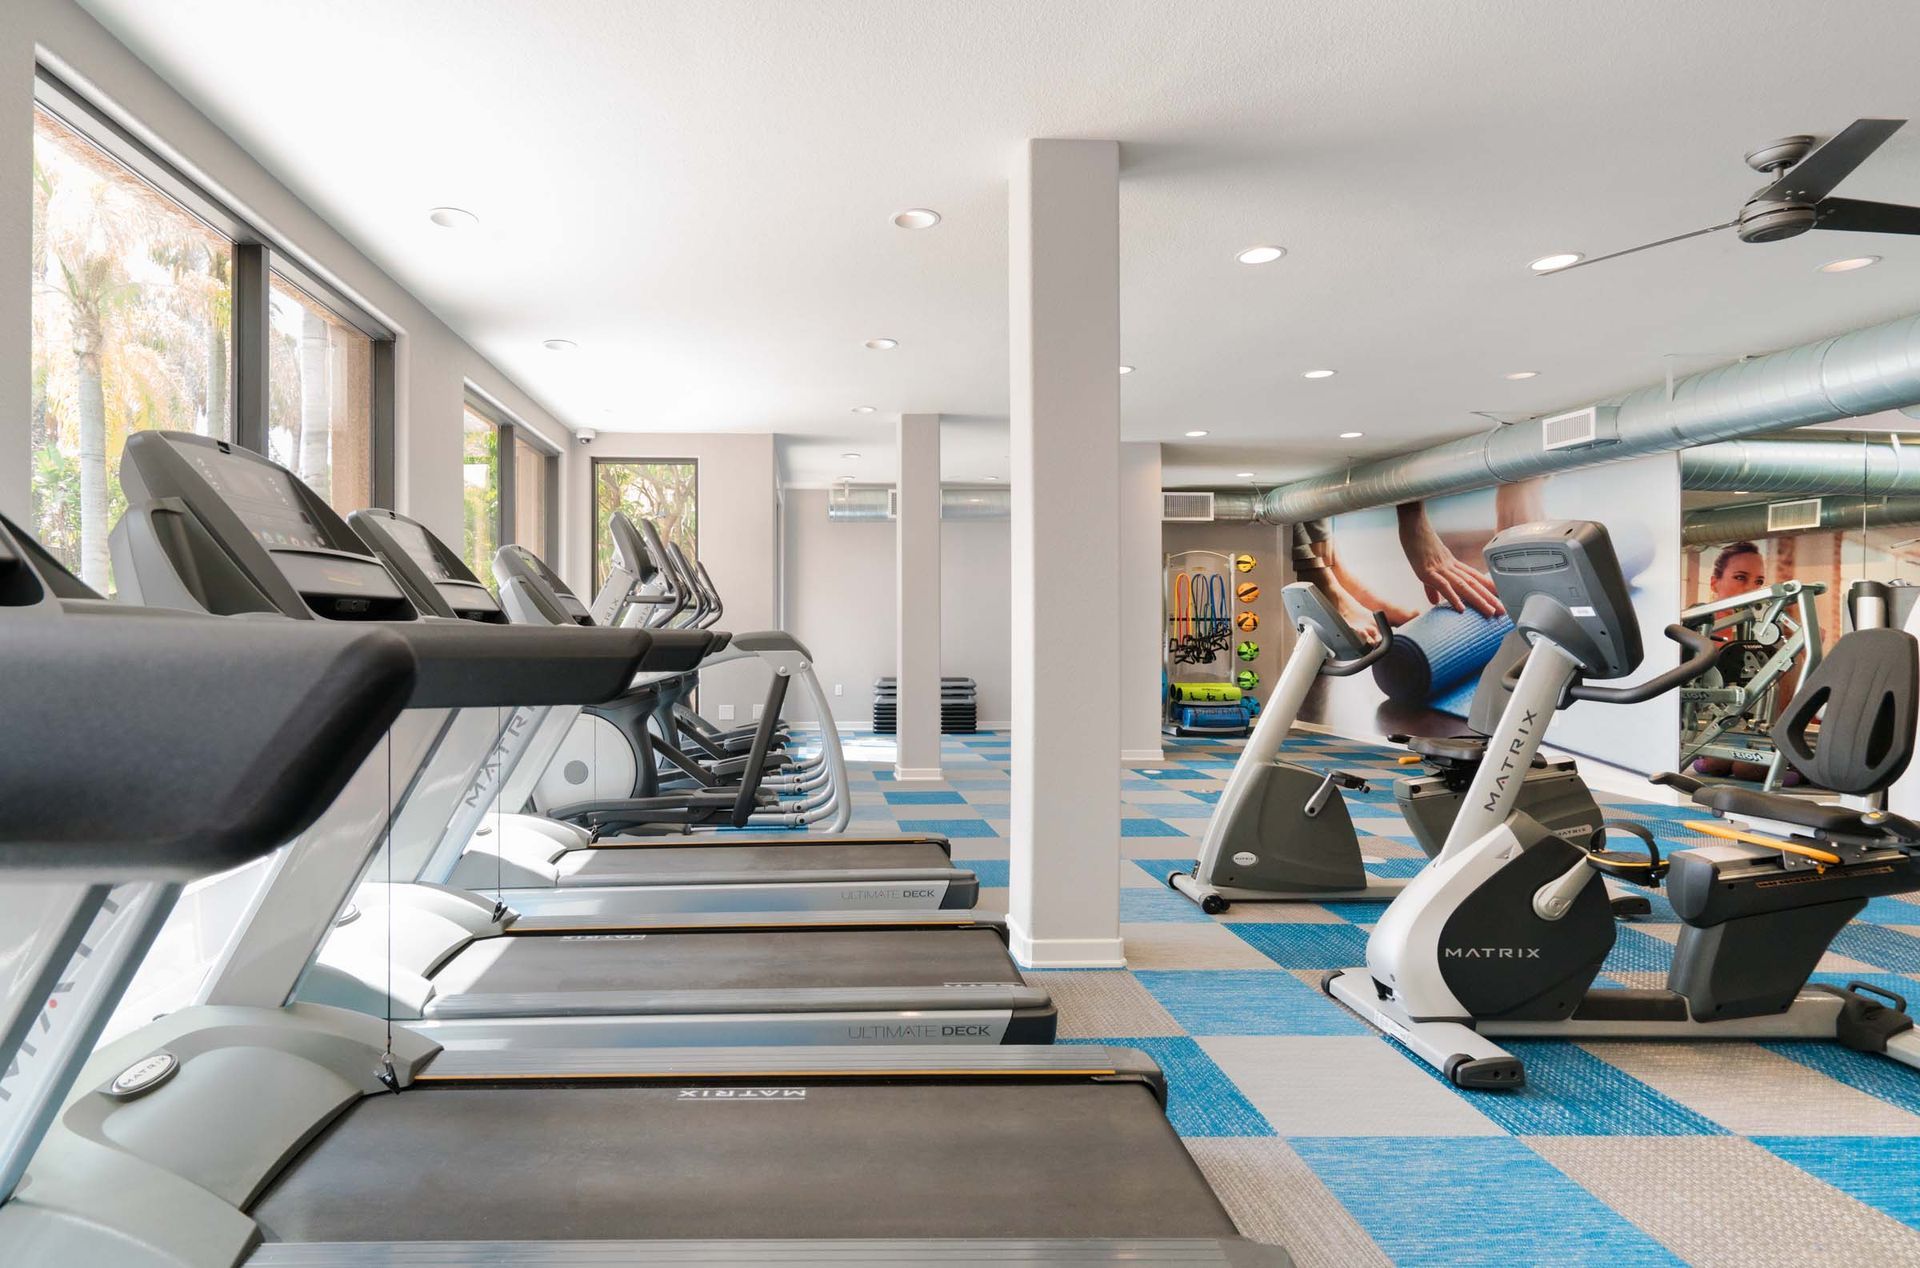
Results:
<point x="726" y="713"/>
<point x="758" y="710"/>
<point x="839" y="689"/>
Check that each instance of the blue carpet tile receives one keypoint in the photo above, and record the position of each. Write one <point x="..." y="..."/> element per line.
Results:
<point x="1411" y="1169"/>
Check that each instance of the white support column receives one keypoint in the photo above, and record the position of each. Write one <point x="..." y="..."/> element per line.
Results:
<point x="1064" y="441"/>
<point x="1141" y="632"/>
<point x="917" y="596"/>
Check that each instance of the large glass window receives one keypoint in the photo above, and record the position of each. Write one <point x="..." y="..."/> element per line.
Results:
<point x="319" y="397"/>
<point x="480" y="486"/>
<point x="132" y="325"/>
<point x="530" y="467"/>
<point x="666" y="491"/>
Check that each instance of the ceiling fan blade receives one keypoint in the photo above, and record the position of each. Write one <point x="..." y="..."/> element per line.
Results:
<point x="1856" y="215"/>
<point x="1644" y="246"/>
<point x="1812" y="177"/>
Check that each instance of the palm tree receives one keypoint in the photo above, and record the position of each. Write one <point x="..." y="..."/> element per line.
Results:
<point x="315" y="401"/>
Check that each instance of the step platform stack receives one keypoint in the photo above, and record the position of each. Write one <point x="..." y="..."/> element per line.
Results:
<point x="959" y="706"/>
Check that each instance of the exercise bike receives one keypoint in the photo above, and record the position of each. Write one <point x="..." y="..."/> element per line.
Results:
<point x="1505" y="931"/>
<point x="1282" y="832"/>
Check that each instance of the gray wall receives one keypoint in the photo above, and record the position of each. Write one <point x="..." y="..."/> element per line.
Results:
<point x="840" y="602"/>
<point x="434" y="365"/>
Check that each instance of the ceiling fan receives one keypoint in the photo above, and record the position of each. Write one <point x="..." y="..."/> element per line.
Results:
<point x="1797" y="199"/>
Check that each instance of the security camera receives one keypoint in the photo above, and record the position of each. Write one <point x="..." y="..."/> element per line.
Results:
<point x="585" y="435"/>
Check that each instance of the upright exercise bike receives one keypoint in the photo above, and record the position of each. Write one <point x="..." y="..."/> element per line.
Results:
<point x="1504" y="932"/>
<point x="1281" y="832"/>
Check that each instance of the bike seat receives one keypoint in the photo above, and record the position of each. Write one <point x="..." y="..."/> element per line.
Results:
<point x="1754" y="804"/>
<point x="1446" y="748"/>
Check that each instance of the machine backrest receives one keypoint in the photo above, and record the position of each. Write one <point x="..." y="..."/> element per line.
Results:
<point x="1867" y="687"/>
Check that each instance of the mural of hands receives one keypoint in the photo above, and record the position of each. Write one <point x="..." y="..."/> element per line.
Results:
<point x="1460" y="586"/>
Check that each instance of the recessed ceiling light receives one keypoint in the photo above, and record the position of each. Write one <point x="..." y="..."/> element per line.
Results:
<point x="1260" y="255"/>
<point x="1351" y="435"/>
<point x="976" y="501"/>
<point x="559" y="345"/>
<point x="1849" y="265"/>
<point x="1318" y="374"/>
<point x="453" y="218"/>
<point x="991" y="479"/>
<point x="916" y="218"/>
<point x="1195" y="435"/>
<point x="1243" y="475"/>
<point x="863" y="409"/>
<point x="850" y="456"/>
<point x="1558" y="260"/>
<point x="883" y="345"/>
<point x="1524" y="374"/>
<point x="1126" y="369"/>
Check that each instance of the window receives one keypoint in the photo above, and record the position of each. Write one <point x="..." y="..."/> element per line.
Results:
<point x="480" y="486"/>
<point x="664" y="491"/>
<point x="156" y="308"/>
<point x="319" y="397"/>
<point x="512" y="486"/>
<point x="132" y="331"/>
<point x="531" y="466"/>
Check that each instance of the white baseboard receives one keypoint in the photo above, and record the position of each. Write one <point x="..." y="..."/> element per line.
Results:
<point x="1064" y="953"/>
<point x="918" y="772"/>
<point x="1143" y="755"/>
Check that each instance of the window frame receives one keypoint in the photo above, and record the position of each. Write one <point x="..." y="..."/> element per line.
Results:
<point x="510" y="433"/>
<point x="593" y="503"/>
<point x="257" y="256"/>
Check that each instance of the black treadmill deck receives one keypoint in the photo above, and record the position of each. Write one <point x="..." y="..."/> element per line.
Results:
<point x="778" y="1159"/>
<point x="772" y="959"/>
<point x="645" y="863"/>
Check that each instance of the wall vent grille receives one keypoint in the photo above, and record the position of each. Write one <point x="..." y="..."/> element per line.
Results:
<point x="1787" y="517"/>
<point x="1186" y="507"/>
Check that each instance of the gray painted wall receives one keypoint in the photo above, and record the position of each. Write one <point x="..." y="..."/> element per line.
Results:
<point x="840" y="601"/>
<point x="434" y="366"/>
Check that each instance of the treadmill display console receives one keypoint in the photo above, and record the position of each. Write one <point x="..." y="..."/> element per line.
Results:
<point x="262" y="496"/>
<point x="413" y="539"/>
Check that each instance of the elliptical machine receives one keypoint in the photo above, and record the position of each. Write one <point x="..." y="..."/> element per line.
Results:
<point x="1281" y="832"/>
<point x="1505" y="931"/>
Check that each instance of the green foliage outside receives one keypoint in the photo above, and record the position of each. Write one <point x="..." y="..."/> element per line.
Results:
<point x="668" y="493"/>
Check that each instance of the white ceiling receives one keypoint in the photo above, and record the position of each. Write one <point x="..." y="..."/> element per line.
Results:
<point x="700" y="195"/>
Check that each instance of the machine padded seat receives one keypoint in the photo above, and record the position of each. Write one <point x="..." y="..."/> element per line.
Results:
<point x="1781" y="807"/>
<point x="1448" y="748"/>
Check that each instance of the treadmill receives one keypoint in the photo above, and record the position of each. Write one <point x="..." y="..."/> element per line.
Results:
<point x="252" y="1131"/>
<point x="219" y="528"/>
<point x="719" y="872"/>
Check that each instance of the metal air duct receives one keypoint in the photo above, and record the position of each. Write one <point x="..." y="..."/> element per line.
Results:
<point x="1801" y="467"/>
<point x="1843" y="376"/>
<point x="855" y="503"/>
<point x="1722" y="525"/>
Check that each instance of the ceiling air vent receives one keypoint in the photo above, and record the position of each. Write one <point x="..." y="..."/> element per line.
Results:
<point x="1593" y="425"/>
<point x="1787" y="517"/>
<point x="1186" y="508"/>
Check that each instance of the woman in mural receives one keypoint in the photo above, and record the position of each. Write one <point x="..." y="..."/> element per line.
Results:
<point x="1740" y="569"/>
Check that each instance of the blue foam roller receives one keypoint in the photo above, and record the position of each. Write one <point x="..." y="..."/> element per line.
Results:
<point x="1436" y="651"/>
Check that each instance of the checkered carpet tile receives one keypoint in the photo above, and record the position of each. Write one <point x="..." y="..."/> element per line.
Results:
<point x="1324" y="1136"/>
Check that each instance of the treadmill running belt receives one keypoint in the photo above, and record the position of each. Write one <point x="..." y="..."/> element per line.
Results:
<point x="835" y="1161"/>
<point x="772" y="959"/>
<point x="648" y="861"/>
